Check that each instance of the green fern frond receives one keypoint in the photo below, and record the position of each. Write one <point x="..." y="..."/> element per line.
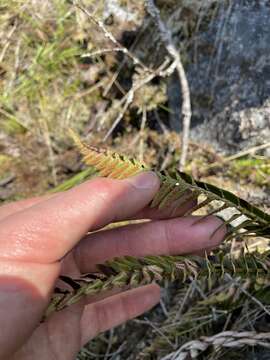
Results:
<point x="178" y="188"/>
<point x="130" y="272"/>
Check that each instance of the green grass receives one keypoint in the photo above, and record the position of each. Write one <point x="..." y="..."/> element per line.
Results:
<point x="75" y="180"/>
<point x="42" y="70"/>
<point x="257" y="170"/>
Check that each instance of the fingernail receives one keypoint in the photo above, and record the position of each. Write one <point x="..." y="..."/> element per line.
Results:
<point x="144" y="181"/>
<point x="212" y="226"/>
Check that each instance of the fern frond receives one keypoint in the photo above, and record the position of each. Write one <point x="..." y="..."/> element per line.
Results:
<point x="107" y="163"/>
<point x="177" y="188"/>
<point x="130" y="272"/>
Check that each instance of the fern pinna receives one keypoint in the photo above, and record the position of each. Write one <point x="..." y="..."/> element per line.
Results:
<point x="176" y="188"/>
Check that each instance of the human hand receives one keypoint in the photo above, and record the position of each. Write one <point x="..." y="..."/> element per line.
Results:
<point x="43" y="237"/>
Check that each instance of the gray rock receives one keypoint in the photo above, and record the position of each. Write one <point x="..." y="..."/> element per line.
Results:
<point x="230" y="84"/>
<point x="233" y="130"/>
<point x="225" y="46"/>
<point x="114" y="8"/>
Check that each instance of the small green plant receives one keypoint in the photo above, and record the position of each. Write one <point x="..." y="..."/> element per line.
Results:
<point x="83" y="175"/>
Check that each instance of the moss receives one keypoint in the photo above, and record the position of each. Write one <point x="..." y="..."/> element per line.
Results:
<point x="251" y="169"/>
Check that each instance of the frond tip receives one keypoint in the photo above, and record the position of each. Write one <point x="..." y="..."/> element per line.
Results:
<point x="107" y="163"/>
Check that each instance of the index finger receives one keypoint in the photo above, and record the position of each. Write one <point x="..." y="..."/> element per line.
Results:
<point x="45" y="232"/>
<point x="16" y="206"/>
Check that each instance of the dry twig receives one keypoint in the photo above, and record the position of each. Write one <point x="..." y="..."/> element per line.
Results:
<point x="240" y="154"/>
<point x="110" y="36"/>
<point x="163" y="71"/>
<point x="149" y="74"/>
<point x="166" y="37"/>
<point x="227" y="339"/>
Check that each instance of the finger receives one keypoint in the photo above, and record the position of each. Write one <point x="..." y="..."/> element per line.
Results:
<point x="45" y="232"/>
<point x="164" y="237"/>
<point x="115" y="310"/>
<point x="16" y="206"/>
<point x="147" y="213"/>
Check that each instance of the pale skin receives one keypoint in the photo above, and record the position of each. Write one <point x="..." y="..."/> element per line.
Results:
<point x="41" y="238"/>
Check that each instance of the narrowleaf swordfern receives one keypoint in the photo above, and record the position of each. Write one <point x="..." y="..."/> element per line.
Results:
<point x="176" y="189"/>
